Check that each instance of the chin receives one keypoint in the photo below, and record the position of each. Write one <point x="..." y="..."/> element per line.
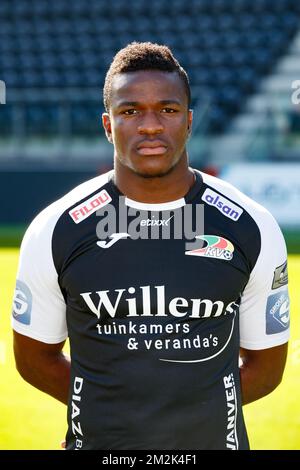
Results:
<point x="154" y="167"/>
<point x="153" y="172"/>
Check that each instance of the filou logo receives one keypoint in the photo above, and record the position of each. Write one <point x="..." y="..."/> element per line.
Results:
<point x="88" y="207"/>
<point x="106" y="302"/>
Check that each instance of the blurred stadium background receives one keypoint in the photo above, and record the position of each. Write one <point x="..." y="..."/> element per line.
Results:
<point x="242" y="57"/>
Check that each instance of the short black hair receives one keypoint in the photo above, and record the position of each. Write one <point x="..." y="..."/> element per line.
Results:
<point x="139" y="56"/>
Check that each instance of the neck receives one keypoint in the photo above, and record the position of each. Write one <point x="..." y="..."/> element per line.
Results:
<point x="174" y="185"/>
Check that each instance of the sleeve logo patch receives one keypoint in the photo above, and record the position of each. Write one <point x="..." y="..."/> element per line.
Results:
<point x="280" y="277"/>
<point x="91" y="205"/>
<point x="215" y="247"/>
<point x="226" y="207"/>
<point x="22" y="303"/>
<point x="278" y="312"/>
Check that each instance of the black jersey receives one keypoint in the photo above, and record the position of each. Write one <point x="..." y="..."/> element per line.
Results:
<point x="155" y="316"/>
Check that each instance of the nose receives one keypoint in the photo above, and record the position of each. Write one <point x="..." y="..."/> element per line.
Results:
<point x="150" y="124"/>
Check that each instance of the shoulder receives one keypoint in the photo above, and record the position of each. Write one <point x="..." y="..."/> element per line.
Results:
<point x="258" y="213"/>
<point x="43" y="224"/>
<point x="253" y="225"/>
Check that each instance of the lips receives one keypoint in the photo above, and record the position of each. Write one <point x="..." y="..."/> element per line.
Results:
<point x="155" y="147"/>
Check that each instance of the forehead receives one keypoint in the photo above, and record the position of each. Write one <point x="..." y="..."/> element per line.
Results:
<point x="142" y="86"/>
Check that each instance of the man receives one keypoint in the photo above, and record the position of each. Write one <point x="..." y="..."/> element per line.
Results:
<point x="156" y="324"/>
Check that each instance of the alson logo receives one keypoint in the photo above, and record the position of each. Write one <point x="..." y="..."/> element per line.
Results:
<point x="101" y="302"/>
<point x="226" y="207"/>
<point x="91" y="205"/>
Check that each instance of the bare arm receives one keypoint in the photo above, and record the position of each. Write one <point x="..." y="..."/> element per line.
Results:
<point x="43" y="365"/>
<point x="261" y="371"/>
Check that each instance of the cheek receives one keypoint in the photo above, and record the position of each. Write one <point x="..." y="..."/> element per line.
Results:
<point x="180" y="131"/>
<point x="121" y="127"/>
<point x="182" y="122"/>
<point x="122" y="136"/>
<point x="117" y="132"/>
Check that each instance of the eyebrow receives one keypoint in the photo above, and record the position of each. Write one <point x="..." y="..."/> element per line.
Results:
<point x="170" y="102"/>
<point x="128" y="103"/>
<point x="136" y="103"/>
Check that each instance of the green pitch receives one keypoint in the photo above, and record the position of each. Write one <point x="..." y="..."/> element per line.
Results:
<point x="32" y="420"/>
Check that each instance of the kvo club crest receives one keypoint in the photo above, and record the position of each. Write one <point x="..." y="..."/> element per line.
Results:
<point x="214" y="247"/>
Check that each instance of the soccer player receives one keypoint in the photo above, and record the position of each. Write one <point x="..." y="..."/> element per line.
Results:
<point x="157" y="314"/>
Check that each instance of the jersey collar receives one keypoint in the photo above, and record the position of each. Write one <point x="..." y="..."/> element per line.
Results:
<point x="171" y="205"/>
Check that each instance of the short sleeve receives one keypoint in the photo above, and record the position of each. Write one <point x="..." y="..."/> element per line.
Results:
<point x="264" y="309"/>
<point x="39" y="310"/>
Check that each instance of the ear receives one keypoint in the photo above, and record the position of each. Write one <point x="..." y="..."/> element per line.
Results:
<point x="107" y="126"/>
<point x="190" y="121"/>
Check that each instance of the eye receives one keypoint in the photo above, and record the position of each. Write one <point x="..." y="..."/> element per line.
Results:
<point x="129" y="112"/>
<point x="169" y="110"/>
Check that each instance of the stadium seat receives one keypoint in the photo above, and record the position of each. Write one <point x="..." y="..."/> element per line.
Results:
<point x="42" y="119"/>
<point x="63" y="45"/>
<point x="6" y="120"/>
<point x="86" y="118"/>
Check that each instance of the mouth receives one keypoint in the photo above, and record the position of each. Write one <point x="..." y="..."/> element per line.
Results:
<point x="152" y="148"/>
